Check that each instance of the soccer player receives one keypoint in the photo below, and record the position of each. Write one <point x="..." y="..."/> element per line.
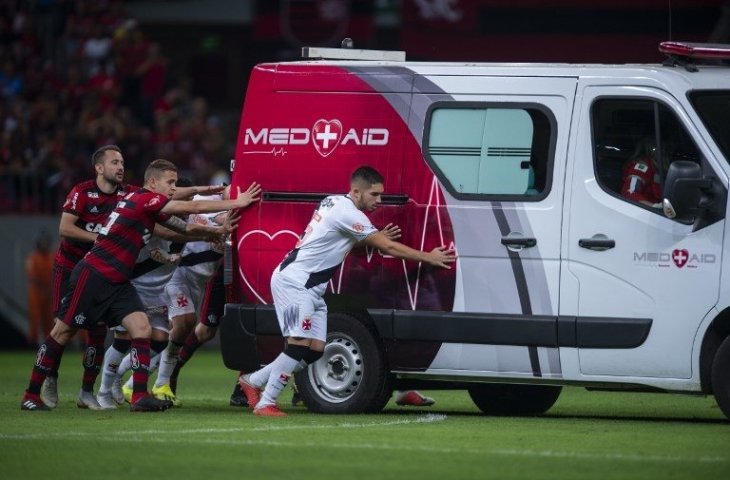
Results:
<point x="199" y="263"/>
<point x="102" y="291"/>
<point x="300" y="280"/>
<point x="155" y="265"/>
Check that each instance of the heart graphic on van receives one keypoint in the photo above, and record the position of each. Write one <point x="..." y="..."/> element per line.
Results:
<point x="270" y="249"/>
<point x="326" y="135"/>
<point x="680" y="257"/>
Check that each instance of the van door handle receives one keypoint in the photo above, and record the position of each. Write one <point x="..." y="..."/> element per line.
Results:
<point x="519" y="242"/>
<point x="598" y="244"/>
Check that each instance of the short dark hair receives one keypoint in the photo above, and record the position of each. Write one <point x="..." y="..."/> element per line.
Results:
<point x="366" y="174"/>
<point x="98" y="156"/>
<point x="156" y="167"/>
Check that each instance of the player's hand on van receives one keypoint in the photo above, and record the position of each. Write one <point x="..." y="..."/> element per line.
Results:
<point x="441" y="256"/>
<point x="391" y="231"/>
<point x="249" y="196"/>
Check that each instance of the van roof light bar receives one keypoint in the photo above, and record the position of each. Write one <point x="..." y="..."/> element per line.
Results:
<point x="687" y="53"/>
<point x="319" y="53"/>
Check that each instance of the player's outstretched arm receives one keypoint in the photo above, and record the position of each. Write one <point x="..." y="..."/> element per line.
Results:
<point x="186" y="193"/>
<point x="391" y="231"/>
<point x="439" y="256"/>
<point x="242" y="200"/>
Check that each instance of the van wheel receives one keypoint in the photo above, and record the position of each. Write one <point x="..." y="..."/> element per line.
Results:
<point x="352" y="376"/>
<point x="504" y="399"/>
<point x="721" y="377"/>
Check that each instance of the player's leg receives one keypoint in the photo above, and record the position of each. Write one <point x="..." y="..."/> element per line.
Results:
<point x="59" y="279"/>
<point x="107" y="397"/>
<point x="92" y="360"/>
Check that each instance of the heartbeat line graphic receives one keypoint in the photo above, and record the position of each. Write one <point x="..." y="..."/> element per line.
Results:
<point x="274" y="151"/>
<point x="433" y="204"/>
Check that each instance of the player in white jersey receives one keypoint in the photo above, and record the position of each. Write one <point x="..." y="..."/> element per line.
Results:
<point x="184" y="293"/>
<point x="300" y="280"/>
<point x="153" y="270"/>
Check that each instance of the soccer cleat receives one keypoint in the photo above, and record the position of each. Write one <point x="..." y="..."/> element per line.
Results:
<point x="87" y="400"/>
<point x="117" y="393"/>
<point x="296" y="399"/>
<point x="106" y="400"/>
<point x="148" y="403"/>
<point x="49" y="392"/>
<point x="164" y="392"/>
<point x="127" y="393"/>
<point x="33" y="403"/>
<point x="253" y="394"/>
<point x="412" y="398"/>
<point x="268" y="411"/>
<point x="238" y="399"/>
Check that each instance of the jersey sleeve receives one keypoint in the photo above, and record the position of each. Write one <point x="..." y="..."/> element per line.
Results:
<point x="355" y="224"/>
<point x="75" y="202"/>
<point x="153" y="203"/>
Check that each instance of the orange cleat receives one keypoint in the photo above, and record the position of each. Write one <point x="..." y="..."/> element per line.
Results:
<point x="412" y="398"/>
<point x="269" y="411"/>
<point x="253" y="394"/>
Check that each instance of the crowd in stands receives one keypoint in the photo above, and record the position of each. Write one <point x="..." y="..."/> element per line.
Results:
<point x="78" y="74"/>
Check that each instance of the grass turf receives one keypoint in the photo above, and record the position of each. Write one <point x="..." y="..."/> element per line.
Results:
<point x="585" y="435"/>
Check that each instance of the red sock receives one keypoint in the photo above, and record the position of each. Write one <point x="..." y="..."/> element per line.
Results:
<point x="46" y="360"/>
<point x="93" y="357"/>
<point x="140" y="356"/>
<point x="188" y="349"/>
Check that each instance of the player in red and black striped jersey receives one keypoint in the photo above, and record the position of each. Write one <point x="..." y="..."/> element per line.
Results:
<point x="102" y="292"/>
<point x="85" y="211"/>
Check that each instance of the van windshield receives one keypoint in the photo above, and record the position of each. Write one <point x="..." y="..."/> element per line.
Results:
<point x="713" y="107"/>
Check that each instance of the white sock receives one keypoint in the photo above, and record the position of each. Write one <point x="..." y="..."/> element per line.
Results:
<point x="167" y="363"/>
<point x="260" y="377"/>
<point x="300" y="366"/>
<point x="112" y="359"/>
<point x="281" y="370"/>
<point x="124" y="365"/>
<point x="155" y="362"/>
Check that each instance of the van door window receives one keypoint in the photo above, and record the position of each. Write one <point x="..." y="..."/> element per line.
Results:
<point x="490" y="151"/>
<point x="634" y="142"/>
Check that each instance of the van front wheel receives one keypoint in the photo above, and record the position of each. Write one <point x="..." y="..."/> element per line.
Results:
<point x="503" y="399"/>
<point x="721" y="377"/>
<point x="352" y="375"/>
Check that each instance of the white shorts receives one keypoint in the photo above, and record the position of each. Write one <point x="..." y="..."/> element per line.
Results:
<point x="158" y="319"/>
<point x="184" y="292"/>
<point x="300" y="311"/>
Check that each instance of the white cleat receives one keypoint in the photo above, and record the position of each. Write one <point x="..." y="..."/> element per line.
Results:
<point x="49" y="392"/>
<point x="87" y="400"/>
<point x="106" y="400"/>
<point x="117" y="393"/>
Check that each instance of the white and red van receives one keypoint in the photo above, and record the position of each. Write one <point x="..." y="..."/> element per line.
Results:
<point x="562" y="278"/>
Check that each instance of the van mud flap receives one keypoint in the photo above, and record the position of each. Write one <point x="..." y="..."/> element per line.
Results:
<point x="250" y="336"/>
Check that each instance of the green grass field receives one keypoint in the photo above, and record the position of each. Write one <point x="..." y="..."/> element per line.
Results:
<point x="586" y="435"/>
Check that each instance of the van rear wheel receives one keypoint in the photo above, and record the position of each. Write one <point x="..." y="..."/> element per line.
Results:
<point x="721" y="377"/>
<point x="352" y="375"/>
<point x="502" y="399"/>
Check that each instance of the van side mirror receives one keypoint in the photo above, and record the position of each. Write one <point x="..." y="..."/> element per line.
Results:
<point x="685" y="191"/>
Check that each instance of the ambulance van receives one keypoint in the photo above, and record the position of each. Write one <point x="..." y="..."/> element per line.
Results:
<point x="586" y="203"/>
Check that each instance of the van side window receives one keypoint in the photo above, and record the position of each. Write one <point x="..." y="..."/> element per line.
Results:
<point x="634" y="142"/>
<point x="479" y="150"/>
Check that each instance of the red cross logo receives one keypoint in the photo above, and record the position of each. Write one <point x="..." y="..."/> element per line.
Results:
<point x="307" y="324"/>
<point x="680" y="257"/>
<point x="182" y="301"/>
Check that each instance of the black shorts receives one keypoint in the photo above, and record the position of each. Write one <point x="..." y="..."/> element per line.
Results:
<point x="214" y="300"/>
<point x="94" y="300"/>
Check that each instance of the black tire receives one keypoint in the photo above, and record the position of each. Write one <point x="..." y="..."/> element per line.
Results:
<point x="721" y="377"/>
<point x="502" y="399"/>
<point x="352" y="376"/>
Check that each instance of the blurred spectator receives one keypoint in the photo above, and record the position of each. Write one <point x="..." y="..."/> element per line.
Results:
<point x="77" y="74"/>
<point x="38" y="268"/>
